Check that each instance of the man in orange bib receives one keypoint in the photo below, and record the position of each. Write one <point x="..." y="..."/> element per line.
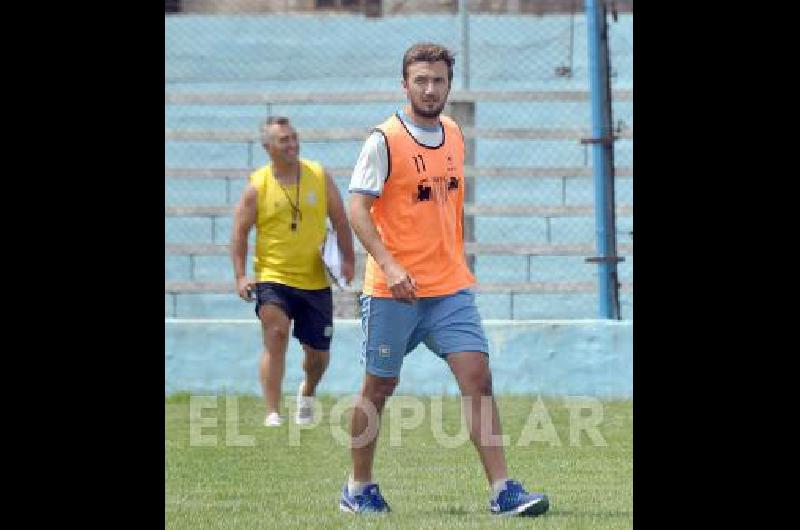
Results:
<point x="288" y="201"/>
<point x="407" y="195"/>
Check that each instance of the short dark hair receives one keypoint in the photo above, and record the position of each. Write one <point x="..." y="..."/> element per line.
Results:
<point x="280" y="120"/>
<point x="428" y="52"/>
<point x="271" y="120"/>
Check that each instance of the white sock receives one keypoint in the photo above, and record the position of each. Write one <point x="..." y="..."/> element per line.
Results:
<point x="498" y="486"/>
<point x="355" y="487"/>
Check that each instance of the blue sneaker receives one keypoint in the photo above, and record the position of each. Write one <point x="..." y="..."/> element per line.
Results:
<point x="370" y="501"/>
<point x="514" y="500"/>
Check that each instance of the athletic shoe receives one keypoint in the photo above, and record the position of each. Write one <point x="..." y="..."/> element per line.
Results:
<point x="370" y="501"/>
<point x="273" y="420"/>
<point x="305" y="408"/>
<point x="514" y="500"/>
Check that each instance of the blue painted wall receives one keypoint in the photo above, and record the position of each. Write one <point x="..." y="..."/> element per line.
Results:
<point x="570" y="357"/>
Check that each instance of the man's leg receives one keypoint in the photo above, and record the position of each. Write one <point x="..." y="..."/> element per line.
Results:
<point x="315" y="363"/>
<point x="275" y="328"/>
<point x="313" y="327"/>
<point x="360" y="494"/>
<point x="474" y="377"/>
<point x="375" y="390"/>
<point x="471" y="370"/>
<point x="386" y="324"/>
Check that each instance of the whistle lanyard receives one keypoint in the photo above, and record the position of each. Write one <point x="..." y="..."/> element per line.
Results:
<point x="296" y="213"/>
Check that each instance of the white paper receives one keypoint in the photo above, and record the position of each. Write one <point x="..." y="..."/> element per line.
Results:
<point x="332" y="256"/>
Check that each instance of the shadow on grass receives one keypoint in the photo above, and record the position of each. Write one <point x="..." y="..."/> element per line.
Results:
<point x="599" y="514"/>
<point x="552" y="512"/>
<point x="451" y="511"/>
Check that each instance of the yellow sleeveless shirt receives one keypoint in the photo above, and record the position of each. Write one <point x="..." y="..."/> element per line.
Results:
<point x="282" y="255"/>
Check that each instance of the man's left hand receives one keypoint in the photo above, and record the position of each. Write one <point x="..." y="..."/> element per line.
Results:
<point x="348" y="270"/>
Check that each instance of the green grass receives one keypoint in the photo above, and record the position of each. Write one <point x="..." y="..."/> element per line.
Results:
<point x="277" y="483"/>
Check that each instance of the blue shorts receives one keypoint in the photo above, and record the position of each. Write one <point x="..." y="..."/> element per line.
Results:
<point x="391" y="329"/>
<point x="311" y="310"/>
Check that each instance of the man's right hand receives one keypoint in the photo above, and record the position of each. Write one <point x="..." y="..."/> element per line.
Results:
<point x="244" y="286"/>
<point x="400" y="283"/>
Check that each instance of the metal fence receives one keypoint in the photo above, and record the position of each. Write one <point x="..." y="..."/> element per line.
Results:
<point x="520" y="92"/>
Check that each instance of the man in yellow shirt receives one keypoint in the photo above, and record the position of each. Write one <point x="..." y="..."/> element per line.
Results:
<point x="288" y="201"/>
<point x="407" y="198"/>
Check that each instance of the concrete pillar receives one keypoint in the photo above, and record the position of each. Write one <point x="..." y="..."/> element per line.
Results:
<point x="373" y="8"/>
<point x="463" y="112"/>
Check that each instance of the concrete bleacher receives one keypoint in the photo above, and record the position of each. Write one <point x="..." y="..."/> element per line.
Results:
<point x="534" y="223"/>
<point x="529" y="248"/>
<point x="198" y="270"/>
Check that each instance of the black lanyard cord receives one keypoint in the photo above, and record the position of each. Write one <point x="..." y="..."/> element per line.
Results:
<point x="296" y="213"/>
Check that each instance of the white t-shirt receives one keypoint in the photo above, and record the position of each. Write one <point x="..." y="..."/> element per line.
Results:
<point x="370" y="170"/>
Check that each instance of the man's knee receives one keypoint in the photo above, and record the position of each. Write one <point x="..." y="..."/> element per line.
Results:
<point x="276" y="333"/>
<point x="479" y="380"/>
<point x="274" y="322"/>
<point x="378" y="389"/>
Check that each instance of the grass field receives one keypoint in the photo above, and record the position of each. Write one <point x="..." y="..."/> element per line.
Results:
<point x="290" y="478"/>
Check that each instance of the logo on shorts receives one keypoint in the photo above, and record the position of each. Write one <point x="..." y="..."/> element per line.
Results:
<point x="384" y="350"/>
<point x="311" y="198"/>
<point x="328" y="331"/>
